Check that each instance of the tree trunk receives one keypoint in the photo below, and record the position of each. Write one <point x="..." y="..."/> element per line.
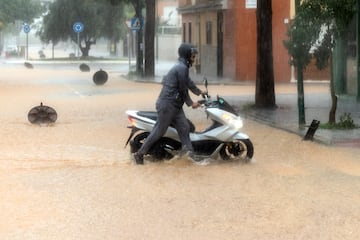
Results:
<point x="85" y="50"/>
<point x="332" y="113"/>
<point x="265" y="93"/>
<point x="301" y="95"/>
<point x="150" y="39"/>
<point x="139" y="39"/>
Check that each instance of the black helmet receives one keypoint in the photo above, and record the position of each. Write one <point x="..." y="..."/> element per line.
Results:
<point x="186" y="50"/>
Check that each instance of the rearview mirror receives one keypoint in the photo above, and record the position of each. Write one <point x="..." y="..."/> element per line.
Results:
<point x="206" y="83"/>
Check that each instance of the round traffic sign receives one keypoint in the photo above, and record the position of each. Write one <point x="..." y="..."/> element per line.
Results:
<point x="26" y="28"/>
<point x="78" y="27"/>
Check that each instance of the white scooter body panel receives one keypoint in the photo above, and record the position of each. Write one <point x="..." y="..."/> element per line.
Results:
<point x="221" y="138"/>
<point x="147" y="124"/>
<point x="222" y="133"/>
<point x="141" y="122"/>
<point x="216" y="114"/>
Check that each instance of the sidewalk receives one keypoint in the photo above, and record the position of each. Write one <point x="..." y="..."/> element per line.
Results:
<point x="317" y="106"/>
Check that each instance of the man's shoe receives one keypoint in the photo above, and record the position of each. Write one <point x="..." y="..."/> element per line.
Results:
<point x="198" y="159"/>
<point x="190" y="155"/>
<point x="139" y="159"/>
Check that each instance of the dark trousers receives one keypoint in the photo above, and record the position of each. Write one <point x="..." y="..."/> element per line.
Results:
<point x="168" y="114"/>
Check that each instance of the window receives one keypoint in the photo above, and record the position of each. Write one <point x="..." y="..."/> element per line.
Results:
<point x="184" y="32"/>
<point x="190" y="32"/>
<point x="209" y="32"/>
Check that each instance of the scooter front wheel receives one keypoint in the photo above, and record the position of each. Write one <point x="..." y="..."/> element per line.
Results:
<point x="242" y="148"/>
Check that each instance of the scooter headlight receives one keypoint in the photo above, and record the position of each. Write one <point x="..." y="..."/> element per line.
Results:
<point x="233" y="121"/>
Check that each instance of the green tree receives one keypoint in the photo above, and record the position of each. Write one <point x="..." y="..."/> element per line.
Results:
<point x="99" y="18"/>
<point x="22" y="10"/>
<point x="303" y="34"/>
<point x="265" y="93"/>
<point x="149" y="28"/>
<point x="339" y="14"/>
<point x="114" y="29"/>
<point x="319" y="31"/>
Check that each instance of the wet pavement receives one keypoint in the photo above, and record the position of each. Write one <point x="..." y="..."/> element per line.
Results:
<point x="285" y="116"/>
<point x="75" y="180"/>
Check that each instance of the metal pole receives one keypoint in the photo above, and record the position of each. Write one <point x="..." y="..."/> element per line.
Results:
<point x="27" y="46"/>
<point x="78" y="42"/>
<point x="300" y="84"/>
<point x="129" y="50"/>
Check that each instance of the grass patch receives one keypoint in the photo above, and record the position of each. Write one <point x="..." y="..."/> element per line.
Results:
<point x="345" y="123"/>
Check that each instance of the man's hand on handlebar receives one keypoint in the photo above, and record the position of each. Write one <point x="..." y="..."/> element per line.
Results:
<point x="195" y="105"/>
<point x="204" y="94"/>
<point x="205" y="97"/>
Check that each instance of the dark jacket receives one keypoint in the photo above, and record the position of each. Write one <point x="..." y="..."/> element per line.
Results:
<point x="176" y="85"/>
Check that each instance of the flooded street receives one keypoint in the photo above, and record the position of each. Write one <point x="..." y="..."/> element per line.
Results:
<point x="74" y="179"/>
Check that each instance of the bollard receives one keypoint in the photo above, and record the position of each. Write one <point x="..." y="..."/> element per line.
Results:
<point x="28" y="65"/>
<point x="312" y="129"/>
<point x="84" y="67"/>
<point x="100" y="77"/>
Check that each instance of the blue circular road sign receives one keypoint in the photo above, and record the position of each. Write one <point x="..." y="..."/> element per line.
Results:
<point x="26" y="28"/>
<point x="78" y="27"/>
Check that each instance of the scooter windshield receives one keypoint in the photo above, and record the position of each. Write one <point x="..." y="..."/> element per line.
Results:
<point x="224" y="105"/>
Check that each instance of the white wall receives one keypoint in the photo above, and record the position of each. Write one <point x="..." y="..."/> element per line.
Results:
<point x="167" y="46"/>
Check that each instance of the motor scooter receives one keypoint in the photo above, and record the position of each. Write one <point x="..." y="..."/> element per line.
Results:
<point x="221" y="139"/>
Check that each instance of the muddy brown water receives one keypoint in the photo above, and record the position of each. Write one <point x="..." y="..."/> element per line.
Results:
<point x="74" y="179"/>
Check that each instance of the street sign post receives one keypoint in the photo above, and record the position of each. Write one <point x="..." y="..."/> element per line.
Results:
<point x="78" y="27"/>
<point x="27" y="29"/>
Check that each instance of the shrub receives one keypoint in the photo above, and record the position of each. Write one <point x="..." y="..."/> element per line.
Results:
<point x="345" y="122"/>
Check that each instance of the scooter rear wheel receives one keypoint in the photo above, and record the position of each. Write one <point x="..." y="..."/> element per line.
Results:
<point x="157" y="151"/>
<point x="241" y="149"/>
<point x="138" y="141"/>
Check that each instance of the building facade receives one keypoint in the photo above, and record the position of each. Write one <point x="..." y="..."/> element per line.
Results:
<point x="225" y="33"/>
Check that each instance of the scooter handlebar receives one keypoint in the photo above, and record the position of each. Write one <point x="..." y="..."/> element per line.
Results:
<point x="205" y="95"/>
<point x="202" y="102"/>
<point x="206" y="101"/>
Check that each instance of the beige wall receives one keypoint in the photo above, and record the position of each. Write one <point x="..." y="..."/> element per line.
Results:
<point x="168" y="46"/>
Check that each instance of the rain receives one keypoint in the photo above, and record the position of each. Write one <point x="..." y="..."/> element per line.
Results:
<point x="65" y="172"/>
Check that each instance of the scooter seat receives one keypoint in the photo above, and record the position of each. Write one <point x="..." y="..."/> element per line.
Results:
<point x="153" y="116"/>
<point x="148" y="114"/>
